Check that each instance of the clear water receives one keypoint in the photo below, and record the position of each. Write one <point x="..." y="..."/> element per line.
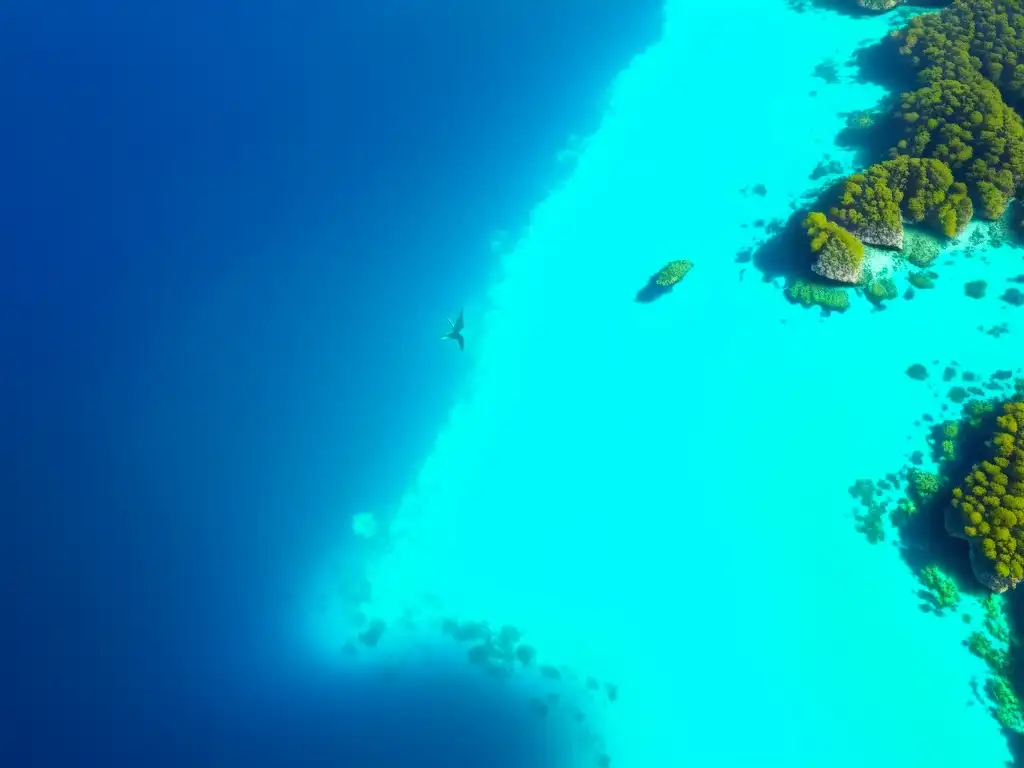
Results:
<point x="656" y="494"/>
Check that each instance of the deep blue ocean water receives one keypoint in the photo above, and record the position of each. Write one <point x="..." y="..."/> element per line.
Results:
<point x="229" y="236"/>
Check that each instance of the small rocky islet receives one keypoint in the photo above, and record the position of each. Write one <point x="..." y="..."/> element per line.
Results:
<point x="664" y="280"/>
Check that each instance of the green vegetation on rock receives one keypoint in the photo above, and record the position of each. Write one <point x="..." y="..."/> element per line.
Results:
<point x="968" y="40"/>
<point x="991" y="499"/>
<point x="869" y="201"/>
<point x="672" y="273"/>
<point x="840" y="254"/>
<point x="874" y="204"/>
<point x="967" y="126"/>
<point x="976" y="409"/>
<point x="923" y="485"/>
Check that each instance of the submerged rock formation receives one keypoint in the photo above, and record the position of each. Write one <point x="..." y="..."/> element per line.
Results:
<point x="673" y="272"/>
<point x="881" y="235"/>
<point x="984" y="570"/>
<point x="840" y="255"/>
<point x="879" y="5"/>
<point x="662" y="281"/>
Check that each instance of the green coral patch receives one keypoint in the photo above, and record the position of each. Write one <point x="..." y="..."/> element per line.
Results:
<point x="810" y="294"/>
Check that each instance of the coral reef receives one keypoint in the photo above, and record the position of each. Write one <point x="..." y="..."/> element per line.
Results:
<point x="1013" y="297"/>
<point x="920" y="248"/>
<point x="810" y="295"/>
<point x="942" y="592"/>
<point x="975" y="289"/>
<point x="917" y="372"/>
<point x="988" y="508"/>
<point x="921" y="280"/>
<point x="880" y="290"/>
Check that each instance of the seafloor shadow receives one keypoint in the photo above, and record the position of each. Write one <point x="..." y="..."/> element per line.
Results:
<point x="924" y="539"/>
<point x="401" y="717"/>
<point x="786" y="253"/>
<point x="652" y="291"/>
<point x="1015" y="614"/>
<point x="842" y="7"/>
<point x="881" y="64"/>
<point x="872" y="143"/>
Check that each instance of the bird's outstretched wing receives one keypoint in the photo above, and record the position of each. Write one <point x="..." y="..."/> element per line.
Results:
<point x="458" y="325"/>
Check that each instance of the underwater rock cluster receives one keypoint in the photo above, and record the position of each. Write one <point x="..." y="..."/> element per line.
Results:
<point x="878" y="5"/>
<point x="662" y="281"/>
<point x="840" y="254"/>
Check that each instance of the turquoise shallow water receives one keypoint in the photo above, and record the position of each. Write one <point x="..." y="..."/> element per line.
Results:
<point x="656" y="494"/>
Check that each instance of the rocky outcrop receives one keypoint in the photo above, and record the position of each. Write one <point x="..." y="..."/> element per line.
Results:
<point x="982" y="568"/>
<point x="879" y="5"/>
<point x="881" y="236"/>
<point x="835" y="263"/>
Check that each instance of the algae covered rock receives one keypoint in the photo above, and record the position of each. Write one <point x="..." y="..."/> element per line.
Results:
<point x="879" y="5"/>
<point x="672" y="273"/>
<point x="840" y="255"/>
<point x="662" y="281"/>
<point x="881" y="289"/>
<point x="869" y="208"/>
<point x="873" y="205"/>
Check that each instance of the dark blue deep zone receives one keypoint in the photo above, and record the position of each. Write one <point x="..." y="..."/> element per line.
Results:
<point x="229" y="235"/>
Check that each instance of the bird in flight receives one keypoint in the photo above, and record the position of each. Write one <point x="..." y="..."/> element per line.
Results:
<point x="456" y="332"/>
